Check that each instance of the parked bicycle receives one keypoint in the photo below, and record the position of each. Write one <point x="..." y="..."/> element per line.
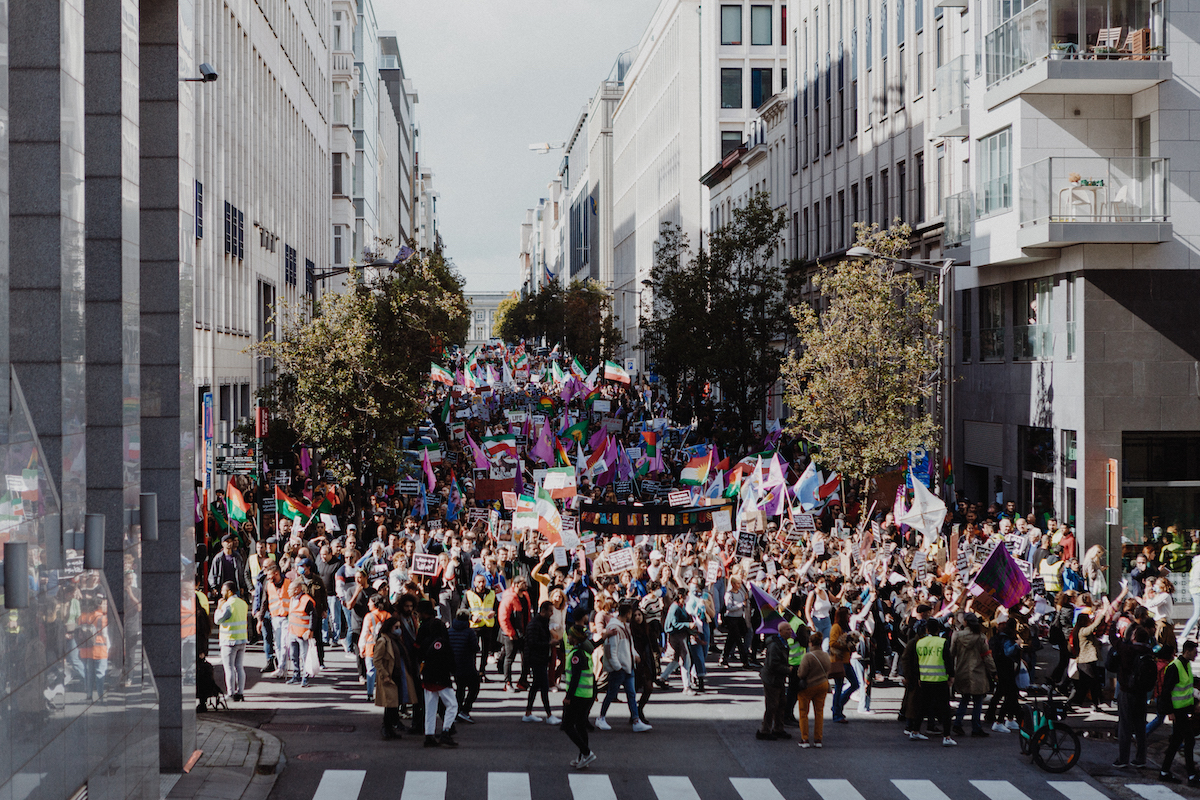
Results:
<point x="1052" y="743"/>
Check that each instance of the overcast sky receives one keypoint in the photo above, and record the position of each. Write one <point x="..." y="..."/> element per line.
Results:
<point x="493" y="76"/>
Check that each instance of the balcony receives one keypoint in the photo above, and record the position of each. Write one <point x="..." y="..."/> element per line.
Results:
<point x="959" y="215"/>
<point x="1077" y="47"/>
<point x="1066" y="201"/>
<point x="952" y="80"/>
<point x="343" y="66"/>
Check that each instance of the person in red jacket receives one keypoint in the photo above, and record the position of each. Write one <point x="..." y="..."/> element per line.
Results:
<point x="515" y="608"/>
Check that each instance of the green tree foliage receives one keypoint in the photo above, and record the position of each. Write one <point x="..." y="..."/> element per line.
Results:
<point x="352" y="378"/>
<point x="720" y="315"/>
<point x="579" y="317"/>
<point x="865" y="369"/>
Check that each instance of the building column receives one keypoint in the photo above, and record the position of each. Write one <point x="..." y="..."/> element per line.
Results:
<point x="167" y="169"/>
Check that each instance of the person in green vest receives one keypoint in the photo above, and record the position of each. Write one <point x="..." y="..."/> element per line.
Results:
<point x="1177" y="698"/>
<point x="934" y="670"/>
<point x="581" y="693"/>
<point x="796" y="650"/>
<point x="231" y="617"/>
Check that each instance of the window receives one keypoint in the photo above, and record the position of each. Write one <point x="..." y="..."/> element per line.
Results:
<point x="760" y="24"/>
<point x="783" y="27"/>
<point x="760" y="86"/>
<point x="869" y="210"/>
<point x="228" y="228"/>
<point x="310" y="269"/>
<point x="731" y="88"/>
<point x="902" y="190"/>
<point x="995" y="172"/>
<point x="1072" y="313"/>
<point x="337" y="30"/>
<point x="967" y="320"/>
<point x="731" y="24"/>
<point x="337" y="245"/>
<point x="919" y="15"/>
<point x="730" y="141"/>
<point x="885" y="199"/>
<point x="853" y="206"/>
<point x="919" y="216"/>
<point x="337" y="174"/>
<point x="1032" y="338"/>
<point x="817" y="229"/>
<point x="991" y="323"/>
<point x="828" y="224"/>
<point x="841" y="242"/>
<point x="899" y="22"/>
<point x="941" y="177"/>
<point x="1070" y="454"/>
<point x="289" y="265"/>
<point x="804" y="244"/>
<point x="920" y="84"/>
<point x="783" y="84"/>
<point x="339" y="104"/>
<point x="199" y="210"/>
<point x="241" y="236"/>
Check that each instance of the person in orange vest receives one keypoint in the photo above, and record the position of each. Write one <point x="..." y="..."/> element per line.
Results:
<point x="94" y="652"/>
<point x="299" y="620"/>
<point x="372" y="624"/>
<point x="278" y="593"/>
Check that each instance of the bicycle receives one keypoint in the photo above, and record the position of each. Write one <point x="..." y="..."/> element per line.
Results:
<point x="1054" y="746"/>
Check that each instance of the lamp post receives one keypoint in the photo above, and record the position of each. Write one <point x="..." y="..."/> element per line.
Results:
<point x="646" y="285"/>
<point x="320" y="277"/>
<point x="945" y="273"/>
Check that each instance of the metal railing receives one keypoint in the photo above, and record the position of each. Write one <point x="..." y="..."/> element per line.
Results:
<point x="959" y="217"/>
<point x="1033" y="342"/>
<point x="952" y="81"/>
<point x="1093" y="189"/>
<point x="1094" y="31"/>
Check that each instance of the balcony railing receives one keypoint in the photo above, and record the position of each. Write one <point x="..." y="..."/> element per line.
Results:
<point x="952" y="78"/>
<point x="960" y="214"/>
<point x="1086" y="30"/>
<point x="1093" y="190"/>
<point x="1033" y="342"/>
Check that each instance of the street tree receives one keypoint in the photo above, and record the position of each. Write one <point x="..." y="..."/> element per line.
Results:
<point x="719" y="316"/>
<point x="864" y="370"/>
<point x="579" y="317"/>
<point x="353" y="377"/>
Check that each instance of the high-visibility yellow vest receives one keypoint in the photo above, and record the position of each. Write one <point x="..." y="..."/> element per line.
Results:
<point x="234" y="629"/>
<point x="483" y="609"/>
<point x="1181" y="695"/>
<point x="1051" y="575"/>
<point x="930" y="661"/>
<point x="580" y="661"/>
<point x="796" y="652"/>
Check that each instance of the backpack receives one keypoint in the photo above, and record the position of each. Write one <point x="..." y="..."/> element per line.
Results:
<point x="1073" y="644"/>
<point x="1145" y="673"/>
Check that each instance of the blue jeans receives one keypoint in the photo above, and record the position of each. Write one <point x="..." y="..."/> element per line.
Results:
<point x="823" y="624"/>
<point x="976" y="703"/>
<point x="370" y="675"/>
<point x="616" y="680"/>
<point x="840" y="696"/>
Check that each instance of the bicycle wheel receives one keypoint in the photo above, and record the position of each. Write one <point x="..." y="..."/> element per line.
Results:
<point x="1056" y="749"/>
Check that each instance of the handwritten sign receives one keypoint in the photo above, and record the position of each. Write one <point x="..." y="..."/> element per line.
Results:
<point x="679" y="498"/>
<point x="713" y="573"/>
<point x="423" y="564"/>
<point x="722" y="521"/>
<point x="805" y="523"/>
<point x="604" y="406"/>
<point x="621" y="560"/>
<point x="623" y="488"/>
<point x="746" y="543"/>
<point x="560" y="556"/>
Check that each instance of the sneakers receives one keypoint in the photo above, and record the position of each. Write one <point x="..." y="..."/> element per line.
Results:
<point x="1000" y="727"/>
<point x="1120" y="765"/>
<point x="641" y="727"/>
<point x="430" y="741"/>
<point x="817" y="745"/>
<point x="917" y="736"/>
<point x="447" y="740"/>
<point x="553" y="720"/>
<point x="602" y="724"/>
<point x="304" y="683"/>
<point x="957" y="730"/>
<point x="464" y="717"/>
<point x="948" y="742"/>
<point x="764" y="736"/>
<point x="585" y="761"/>
<point x="1167" y="777"/>
<point x="805" y="745"/>
<point x="1012" y="725"/>
<point x="574" y="762"/>
<point x="531" y="718"/>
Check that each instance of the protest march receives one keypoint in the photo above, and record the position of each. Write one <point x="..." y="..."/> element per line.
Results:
<point x="555" y="534"/>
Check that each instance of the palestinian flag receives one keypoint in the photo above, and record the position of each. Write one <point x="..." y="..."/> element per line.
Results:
<point x="696" y="471"/>
<point x="496" y="446"/>
<point x="577" y="369"/>
<point x="439" y="375"/>
<point x="291" y="508"/>
<point x="549" y="521"/>
<point x="614" y="372"/>
<point x="236" y="507"/>
<point x="576" y="431"/>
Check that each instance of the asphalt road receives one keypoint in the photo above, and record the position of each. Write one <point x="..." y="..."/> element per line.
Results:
<point x="701" y="748"/>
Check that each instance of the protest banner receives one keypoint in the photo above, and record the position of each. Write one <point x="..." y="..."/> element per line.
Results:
<point x="423" y="564"/>
<point x="624" y="519"/>
<point x="492" y="489"/>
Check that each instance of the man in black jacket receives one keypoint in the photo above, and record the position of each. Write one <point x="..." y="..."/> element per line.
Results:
<point x="437" y="671"/>
<point x="1132" y="685"/>
<point x="228" y="566"/>
<point x="537" y="653"/>
<point x="465" y="643"/>
<point x="774" y="676"/>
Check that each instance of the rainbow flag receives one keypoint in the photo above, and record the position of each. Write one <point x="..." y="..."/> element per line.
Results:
<point x="236" y="507"/>
<point x="772" y="615"/>
<point x="546" y="402"/>
<point x="560" y="454"/>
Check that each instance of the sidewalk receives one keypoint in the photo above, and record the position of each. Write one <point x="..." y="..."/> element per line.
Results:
<point x="236" y="763"/>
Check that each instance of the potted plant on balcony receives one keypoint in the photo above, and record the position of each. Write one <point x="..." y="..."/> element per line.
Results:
<point x="1073" y="178"/>
<point x="1059" y="49"/>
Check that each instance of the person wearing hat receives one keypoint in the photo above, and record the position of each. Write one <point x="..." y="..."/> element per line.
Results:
<point x="228" y="566"/>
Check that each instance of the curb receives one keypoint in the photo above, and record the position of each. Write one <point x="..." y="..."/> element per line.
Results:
<point x="235" y="762"/>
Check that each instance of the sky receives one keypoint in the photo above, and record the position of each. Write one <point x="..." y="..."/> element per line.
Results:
<point x="493" y="77"/>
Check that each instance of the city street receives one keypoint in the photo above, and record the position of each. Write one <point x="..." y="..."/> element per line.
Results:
<point x="701" y="747"/>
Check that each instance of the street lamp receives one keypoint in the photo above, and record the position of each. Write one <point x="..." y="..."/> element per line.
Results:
<point x="944" y="270"/>
<point x="378" y="263"/>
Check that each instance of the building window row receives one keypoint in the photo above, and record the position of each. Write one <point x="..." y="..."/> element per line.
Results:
<point x="235" y="232"/>
<point x="761" y="22"/>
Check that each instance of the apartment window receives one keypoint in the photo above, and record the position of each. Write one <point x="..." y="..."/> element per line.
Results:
<point x="241" y="235"/>
<point x="885" y="199"/>
<point x="941" y="178"/>
<point x="339" y="103"/>
<point x="919" y="15"/>
<point x="796" y="235"/>
<point x="289" y="265"/>
<point x="337" y="174"/>
<point x="199" y="210"/>
<point x="228" y="228"/>
<point x="760" y="86"/>
<point x="731" y="87"/>
<point x="869" y="210"/>
<point x="841" y="225"/>
<point x="760" y="24"/>
<point x="940" y="46"/>
<point x="902" y="191"/>
<point x="828" y="224"/>
<point x="995" y="172"/>
<point x="853" y="207"/>
<point x="805" y="243"/>
<point x="337" y="245"/>
<point x="967" y="321"/>
<point x="1072" y="312"/>
<point x="310" y="269"/>
<point x="1070" y="454"/>
<point x="841" y="91"/>
<point x="1032" y="338"/>
<point x="991" y="323"/>
<point x="920" y="181"/>
<point x="783" y="26"/>
<point x="901" y="75"/>
<point x="854" y="83"/>
<point x="783" y="84"/>
<point x="920" y="84"/>
<point x="731" y="24"/>
<point x="730" y="141"/>
<point x="899" y="22"/>
<point x="337" y="30"/>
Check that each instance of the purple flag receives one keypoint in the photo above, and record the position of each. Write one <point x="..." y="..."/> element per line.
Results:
<point x="543" y="451"/>
<point x="1001" y="575"/>
<point x="481" y="461"/>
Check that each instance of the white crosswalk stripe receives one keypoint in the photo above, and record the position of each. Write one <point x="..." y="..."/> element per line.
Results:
<point x="508" y="786"/>
<point x="999" y="790"/>
<point x="835" y="789"/>
<point x="1153" y="791"/>
<point x="1078" y="790"/>
<point x="920" y="790"/>
<point x="756" y="789"/>
<point x="340" y="784"/>
<point x="673" y="787"/>
<point x="592" y="787"/>
<point x="422" y="786"/>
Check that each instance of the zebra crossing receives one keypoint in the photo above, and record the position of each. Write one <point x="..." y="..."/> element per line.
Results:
<point x="432" y="785"/>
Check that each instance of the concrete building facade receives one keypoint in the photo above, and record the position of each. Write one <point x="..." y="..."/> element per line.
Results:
<point x="484" y="306"/>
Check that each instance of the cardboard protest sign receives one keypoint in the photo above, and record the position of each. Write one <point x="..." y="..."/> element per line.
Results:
<point x="746" y="543"/>
<point x="818" y="547"/>
<point x="679" y="498"/>
<point x="408" y="486"/>
<point x="806" y="523"/>
<point x="713" y="573"/>
<point x="614" y="425"/>
<point x="622" y="559"/>
<point x="722" y="521"/>
<point x="476" y="514"/>
<point x="589" y="543"/>
<point x="604" y="406"/>
<point x="423" y="564"/>
<point x="560" y="556"/>
<point x="510" y="501"/>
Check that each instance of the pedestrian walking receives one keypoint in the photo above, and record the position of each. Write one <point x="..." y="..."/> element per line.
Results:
<point x="437" y="675"/>
<point x="929" y="660"/>
<point x="581" y="693"/>
<point x="774" y="676"/>
<point x="619" y="661"/>
<point x="1178" y="699"/>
